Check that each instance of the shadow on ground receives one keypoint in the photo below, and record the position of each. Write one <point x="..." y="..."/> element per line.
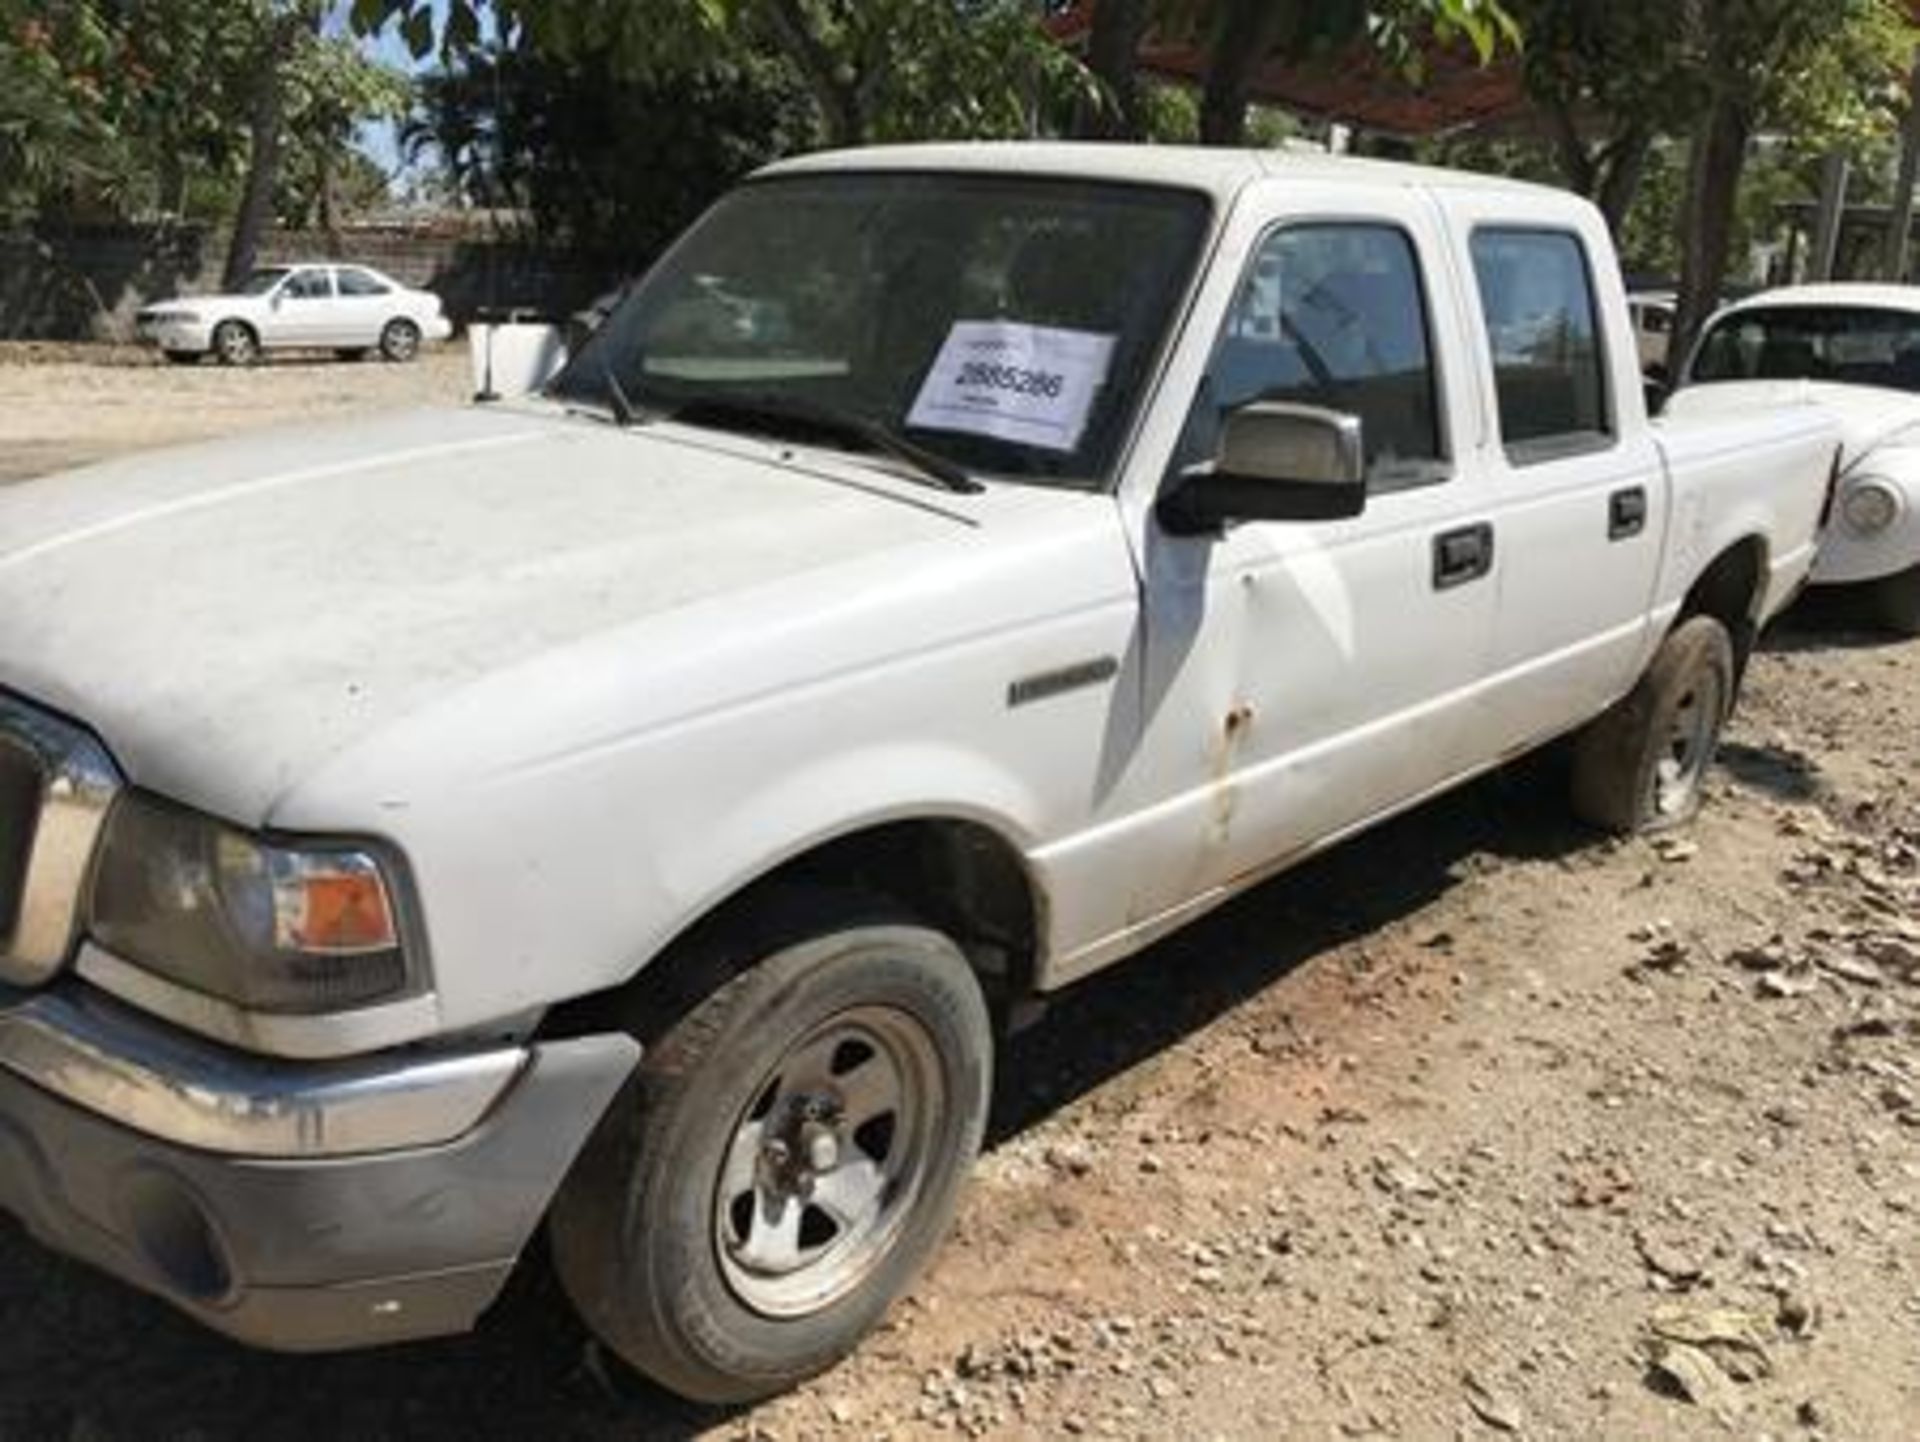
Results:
<point x="1831" y="618"/>
<point x="82" y="1357"/>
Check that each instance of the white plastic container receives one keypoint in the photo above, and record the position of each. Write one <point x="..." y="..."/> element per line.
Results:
<point x="514" y="358"/>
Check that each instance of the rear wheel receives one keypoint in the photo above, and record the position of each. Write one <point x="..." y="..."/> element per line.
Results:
<point x="1641" y="766"/>
<point x="400" y="340"/>
<point x="1897" y="599"/>
<point x="785" y="1161"/>
<point x="235" y="344"/>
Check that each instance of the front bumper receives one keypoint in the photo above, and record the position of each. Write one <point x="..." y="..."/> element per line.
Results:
<point x="173" y="334"/>
<point x="299" y="1207"/>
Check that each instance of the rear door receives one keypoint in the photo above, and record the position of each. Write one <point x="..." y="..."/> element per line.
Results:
<point x="1574" y="472"/>
<point x="365" y="303"/>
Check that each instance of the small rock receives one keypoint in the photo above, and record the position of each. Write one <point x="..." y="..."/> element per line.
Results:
<point x="1492" y="1407"/>
<point x="1786" y="985"/>
<point x="1692" y="1374"/>
<point x="1072" y="1157"/>
<point x="1852" y="968"/>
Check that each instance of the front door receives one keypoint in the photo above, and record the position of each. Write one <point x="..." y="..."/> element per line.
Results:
<point x="1301" y="679"/>
<point x="304" y="310"/>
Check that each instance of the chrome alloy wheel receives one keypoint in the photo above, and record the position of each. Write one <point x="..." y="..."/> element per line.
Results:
<point x="827" y="1162"/>
<point x="1682" y="765"/>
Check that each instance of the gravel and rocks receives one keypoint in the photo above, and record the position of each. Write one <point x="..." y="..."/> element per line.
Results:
<point x="1480" y="1126"/>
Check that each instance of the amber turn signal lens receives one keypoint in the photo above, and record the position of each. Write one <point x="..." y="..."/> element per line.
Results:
<point x="333" y="907"/>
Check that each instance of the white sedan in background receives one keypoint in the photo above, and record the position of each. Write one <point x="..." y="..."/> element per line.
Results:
<point x="349" y="309"/>
<point x="1855" y="351"/>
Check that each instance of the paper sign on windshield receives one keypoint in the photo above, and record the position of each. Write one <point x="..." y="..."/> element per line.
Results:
<point x="1026" y="383"/>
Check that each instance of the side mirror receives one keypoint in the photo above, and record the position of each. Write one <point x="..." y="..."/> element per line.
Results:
<point x="1657" y="390"/>
<point x="1277" y="461"/>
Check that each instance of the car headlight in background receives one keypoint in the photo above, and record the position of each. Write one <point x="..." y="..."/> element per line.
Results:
<point x="292" y="928"/>
<point x="1870" y="505"/>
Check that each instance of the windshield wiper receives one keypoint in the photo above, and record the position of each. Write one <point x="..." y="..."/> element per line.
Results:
<point x="836" y="426"/>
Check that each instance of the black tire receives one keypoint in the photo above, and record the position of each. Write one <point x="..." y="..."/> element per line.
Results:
<point x="182" y="357"/>
<point x="400" y="340"/>
<point x="351" y="353"/>
<point x="647" y="1239"/>
<point x="235" y="344"/>
<point x="1897" y="600"/>
<point x="1641" y="766"/>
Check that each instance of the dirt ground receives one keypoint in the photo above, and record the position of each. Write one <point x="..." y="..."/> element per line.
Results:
<point x="1479" y="1127"/>
<point x="64" y="406"/>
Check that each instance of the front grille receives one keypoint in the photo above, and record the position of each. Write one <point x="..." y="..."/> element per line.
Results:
<point x="21" y="784"/>
<point x="56" y="785"/>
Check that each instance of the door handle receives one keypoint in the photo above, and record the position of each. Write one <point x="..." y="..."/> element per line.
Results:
<point x="1462" y="556"/>
<point x="1626" y="513"/>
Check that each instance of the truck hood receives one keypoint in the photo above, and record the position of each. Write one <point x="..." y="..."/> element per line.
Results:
<point x="1868" y="416"/>
<point x="228" y="617"/>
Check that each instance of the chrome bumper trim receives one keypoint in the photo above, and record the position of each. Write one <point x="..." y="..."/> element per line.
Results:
<point x="107" y="1059"/>
<point x="77" y="785"/>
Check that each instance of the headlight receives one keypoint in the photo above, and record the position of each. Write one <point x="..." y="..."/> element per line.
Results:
<point x="1870" y="505"/>
<point x="179" y="317"/>
<point x="271" y="927"/>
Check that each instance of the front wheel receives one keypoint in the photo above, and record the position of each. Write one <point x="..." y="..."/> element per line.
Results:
<point x="400" y="340"/>
<point x="235" y="344"/>
<point x="1642" y="765"/>
<point x="1897" y="599"/>
<point x="785" y="1161"/>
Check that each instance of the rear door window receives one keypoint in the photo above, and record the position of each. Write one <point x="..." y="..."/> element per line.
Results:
<point x="359" y="283"/>
<point x="1549" y="371"/>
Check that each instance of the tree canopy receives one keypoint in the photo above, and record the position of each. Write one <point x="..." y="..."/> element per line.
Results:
<point x="142" y="107"/>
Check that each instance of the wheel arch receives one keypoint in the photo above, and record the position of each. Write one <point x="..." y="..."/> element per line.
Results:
<point x="250" y="327"/>
<point x="1732" y="589"/>
<point x="957" y="874"/>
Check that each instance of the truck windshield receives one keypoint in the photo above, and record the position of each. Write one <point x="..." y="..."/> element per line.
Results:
<point x="1004" y="324"/>
<point x="1850" y="345"/>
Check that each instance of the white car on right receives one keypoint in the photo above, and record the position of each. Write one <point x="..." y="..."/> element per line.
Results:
<point x="1855" y="350"/>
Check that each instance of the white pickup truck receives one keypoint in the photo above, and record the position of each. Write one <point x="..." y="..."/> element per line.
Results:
<point x="635" y="809"/>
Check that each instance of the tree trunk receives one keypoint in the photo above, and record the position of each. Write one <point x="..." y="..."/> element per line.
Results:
<point x="1576" y="162"/>
<point x="329" y="203"/>
<point x="1900" y="222"/>
<point x="1716" y="158"/>
<point x="841" y="117"/>
<point x="1113" y="50"/>
<point x="1242" y="39"/>
<point x="172" y="195"/>
<point x="1619" y="187"/>
<point x="263" y="170"/>
<point x="1830" y="216"/>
